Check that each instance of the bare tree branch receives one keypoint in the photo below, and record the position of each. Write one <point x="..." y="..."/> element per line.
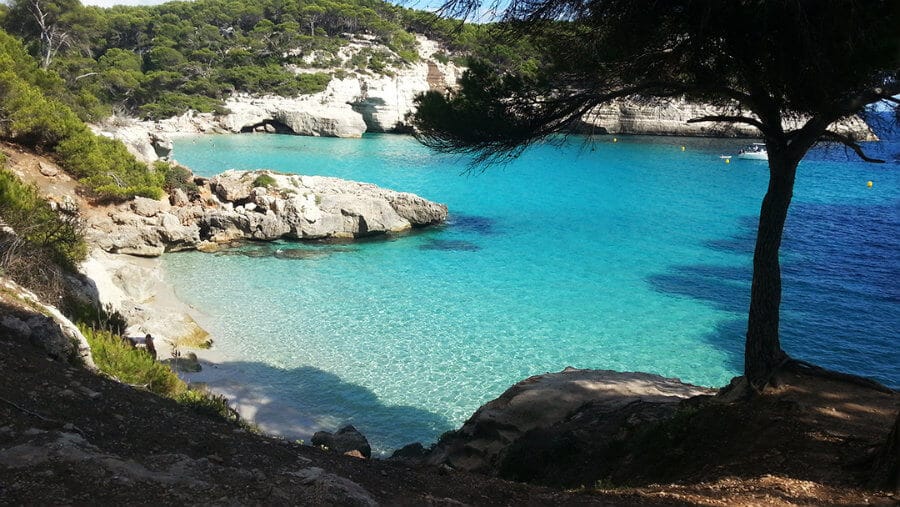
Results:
<point x="850" y="143"/>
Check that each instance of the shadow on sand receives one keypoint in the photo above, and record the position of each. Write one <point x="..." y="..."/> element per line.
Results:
<point x="310" y="399"/>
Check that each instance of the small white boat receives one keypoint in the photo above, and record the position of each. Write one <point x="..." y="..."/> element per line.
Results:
<point x="756" y="151"/>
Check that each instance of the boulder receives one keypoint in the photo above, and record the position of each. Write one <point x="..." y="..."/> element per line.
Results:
<point x="233" y="185"/>
<point x="417" y="211"/>
<point x="47" y="169"/>
<point x="330" y="121"/>
<point x="179" y="198"/>
<point x="176" y="236"/>
<point x="495" y="437"/>
<point x="331" y="489"/>
<point x="345" y="440"/>
<point x="149" y="207"/>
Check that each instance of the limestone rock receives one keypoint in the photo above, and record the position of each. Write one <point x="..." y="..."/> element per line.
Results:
<point x="485" y="441"/>
<point x="47" y="169"/>
<point x="149" y="207"/>
<point x="161" y="144"/>
<point x="331" y="121"/>
<point x="176" y="236"/>
<point x="45" y="326"/>
<point x="179" y="198"/>
<point x="232" y="185"/>
<point x="345" y="440"/>
<point x="669" y="117"/>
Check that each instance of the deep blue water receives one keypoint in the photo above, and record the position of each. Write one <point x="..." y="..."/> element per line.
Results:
<point x="633" y="255"/>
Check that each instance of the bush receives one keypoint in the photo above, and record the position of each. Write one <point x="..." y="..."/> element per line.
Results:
<point x="37" y="226"/>
<point x="264" y="180"/>
<point x="176" y="176"/>
<point x="208" y="404"/>
<point x="117" y="358"/>
<point x="107" y="167"/>
<point x="175" y="103"/>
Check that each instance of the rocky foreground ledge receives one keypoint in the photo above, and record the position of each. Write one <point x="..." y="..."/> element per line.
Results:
<point x="259" y="205"/>
<point x="542" y="418"/>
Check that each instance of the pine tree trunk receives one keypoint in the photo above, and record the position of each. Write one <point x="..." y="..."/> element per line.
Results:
<point x="762" y="353"/>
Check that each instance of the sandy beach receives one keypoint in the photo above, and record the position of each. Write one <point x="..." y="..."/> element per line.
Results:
<point x="138" y="288"/>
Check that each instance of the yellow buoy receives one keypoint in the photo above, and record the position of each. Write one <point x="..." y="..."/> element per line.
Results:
<point x="682" y="148"/>
<point x="869" y="184"/>
<point x="615" y="139"/>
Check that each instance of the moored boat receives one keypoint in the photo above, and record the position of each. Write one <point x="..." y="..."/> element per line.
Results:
<point x="756" y="151"/>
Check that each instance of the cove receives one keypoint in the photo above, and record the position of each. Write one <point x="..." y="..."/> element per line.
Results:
<point x="631" y="256"/>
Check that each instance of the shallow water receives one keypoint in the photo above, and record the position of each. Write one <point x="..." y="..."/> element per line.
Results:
<point x="628" y="256"/>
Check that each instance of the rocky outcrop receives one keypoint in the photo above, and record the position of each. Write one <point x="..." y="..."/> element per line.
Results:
<point x="346" y="440"/>
<point x="500" y="433"/>
<point x="22" y="313"/>
<point x="147" y="145"/>
<point x="259" y="205"/>
<point x="669" y="117"/>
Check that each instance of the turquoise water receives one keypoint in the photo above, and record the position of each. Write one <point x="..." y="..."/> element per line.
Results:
<point x="627" y="256"/>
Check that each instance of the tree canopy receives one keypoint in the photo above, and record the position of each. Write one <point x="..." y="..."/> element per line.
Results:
<point x="159" y="61"/>
<point x="762" y="62"/>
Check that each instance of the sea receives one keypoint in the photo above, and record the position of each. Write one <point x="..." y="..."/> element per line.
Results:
<point x="626" y="253"/>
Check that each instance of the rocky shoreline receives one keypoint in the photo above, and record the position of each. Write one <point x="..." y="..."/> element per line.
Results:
<point x="260" y="206"/>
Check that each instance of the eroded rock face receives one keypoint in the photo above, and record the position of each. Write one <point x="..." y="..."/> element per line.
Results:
<point x="669" y="117"/>
<point x="43" y="324"/>
<point x="508" y="429"/>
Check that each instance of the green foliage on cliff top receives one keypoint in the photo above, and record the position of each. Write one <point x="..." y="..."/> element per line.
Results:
<point x="34" y="113"/>
<point x="160" y="61"/>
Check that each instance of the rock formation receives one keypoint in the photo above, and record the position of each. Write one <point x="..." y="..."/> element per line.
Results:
<point x="259" y="205"/>
<point x="22" y="313"/>
<point x="501" y="432"/>
<point x="346" y="440"/>
<point x="669" y="117"/>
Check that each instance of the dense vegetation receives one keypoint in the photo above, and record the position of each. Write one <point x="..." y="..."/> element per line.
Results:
<point x="160" y="61"/>
<point x="35" y="112"/>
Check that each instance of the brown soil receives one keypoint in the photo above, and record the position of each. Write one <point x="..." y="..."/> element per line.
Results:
<point x="804" y="443"/>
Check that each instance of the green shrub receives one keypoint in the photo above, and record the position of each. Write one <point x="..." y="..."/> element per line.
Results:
<point x="107" y="167"/>
<point x="209" y="404"/>
<point x="117" y="358"/>
<point x="264" y="180"/>
<point x="37" y="225"/>
<point x="176" y="176"/>
<point x="441" y="57"/>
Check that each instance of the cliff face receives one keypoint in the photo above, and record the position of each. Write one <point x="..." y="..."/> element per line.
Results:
<point x="669" y="117"/>
<point x="361" y="101"/>
<point x="353" y="103"/>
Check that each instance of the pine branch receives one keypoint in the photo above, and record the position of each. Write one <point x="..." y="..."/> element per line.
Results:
<point x="850" y="143"/>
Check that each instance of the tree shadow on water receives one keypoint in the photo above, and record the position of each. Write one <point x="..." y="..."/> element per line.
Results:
<point x="297" y="402"/>
<point x="839" y="292"/>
